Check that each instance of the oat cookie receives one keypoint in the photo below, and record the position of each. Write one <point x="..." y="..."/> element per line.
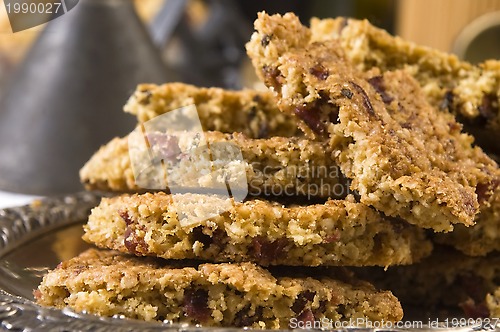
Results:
<point x="470" y="92"/>
<point x="250" y="112"/>
<point x="446" y="279"/>
<point x="107" y="283"/>
<point x="337" y="233"/>
<point x="406" y="159"/>
<point x="276" y="166"/>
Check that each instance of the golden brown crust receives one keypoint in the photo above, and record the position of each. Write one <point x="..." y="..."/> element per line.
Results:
<point x="250" y="112"/>
<point x="277" y="166"/>
<point x="406" y="159"/>
<point x="339" y="232"/>
<point x="108" y="283"/>
<point x="470" y="92"/>
<point x="448" y="84"/>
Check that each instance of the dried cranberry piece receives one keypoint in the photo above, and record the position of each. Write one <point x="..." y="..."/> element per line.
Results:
<point x="129" y="240"/>
<point x="266" y="251"/>
<point x="125" y="216"/>
<point x="302" y="299"/>
<point x="306" y="316"/>
<point x="483" y="192"/>
<point x="243" y="318"/>
<point x="319" y="72"/>
<point x="366" y="100"/>
<point x="134" y="243"/>
<point x="311" y="118"/>
<point x="378" y="84"/>
<point x="273" y="77"/>
<point x="195" y="304"/>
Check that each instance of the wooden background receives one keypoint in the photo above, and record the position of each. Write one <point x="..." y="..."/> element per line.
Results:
<point x="437" y="23"/>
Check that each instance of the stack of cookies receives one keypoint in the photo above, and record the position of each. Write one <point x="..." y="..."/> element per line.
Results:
<point x="349" y="157"/>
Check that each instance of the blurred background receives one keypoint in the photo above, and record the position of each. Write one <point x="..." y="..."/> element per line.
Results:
<point x="202" y="42"/>
<point x="214" y="29"/>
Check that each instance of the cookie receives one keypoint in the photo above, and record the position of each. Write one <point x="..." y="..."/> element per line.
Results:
<point x="470" y="92"/>
<point x="405" y="158"/>
<point x="446" y="279"/>
<point x="211" y="228"/>
<point x="276" y="166"/>
<point x="250" y="112"/>
<point x="107" y="283"/>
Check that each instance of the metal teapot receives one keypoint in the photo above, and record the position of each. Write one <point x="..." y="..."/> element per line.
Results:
<point x="66" y="98"/>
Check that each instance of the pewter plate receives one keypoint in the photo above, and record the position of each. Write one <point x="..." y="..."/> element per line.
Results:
<point x="35" y="238"/>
